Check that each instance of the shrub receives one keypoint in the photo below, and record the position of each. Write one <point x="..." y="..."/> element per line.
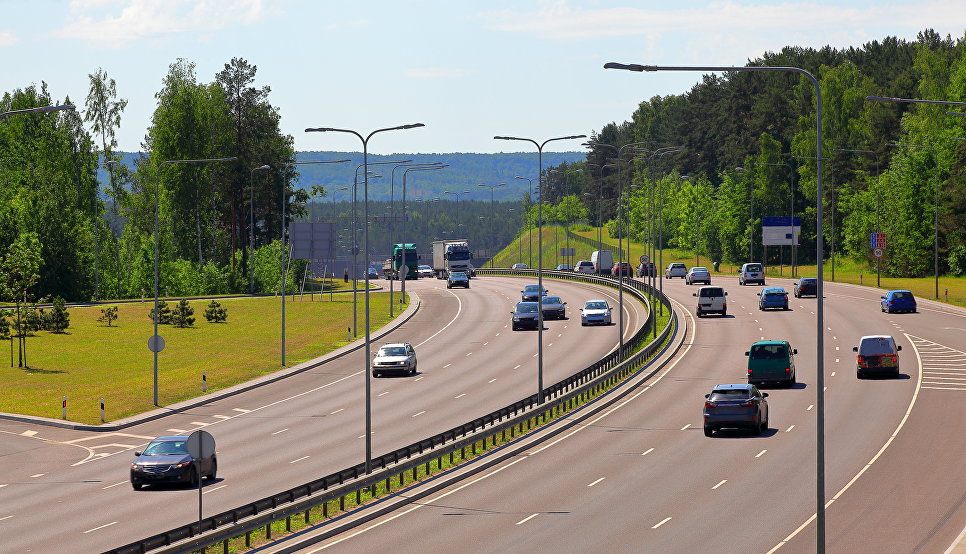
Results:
<point x="59" y="318"/>
<point x="4" y="325"/>
<point x="108" y="315"/>
<point x="215" y="313"/>
<point x="181" y="315"/>
<point x="164" y="311"/>
<point x="957" y="260"/>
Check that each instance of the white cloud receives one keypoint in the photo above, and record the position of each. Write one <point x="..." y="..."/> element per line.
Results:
<point x="7" y="38"/>
<point x="114" y="23"/>
<point x="434" y="73"/>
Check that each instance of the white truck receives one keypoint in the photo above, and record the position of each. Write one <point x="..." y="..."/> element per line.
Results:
<point x="451" y="255"/>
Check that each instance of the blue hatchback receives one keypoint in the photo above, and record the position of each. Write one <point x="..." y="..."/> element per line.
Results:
<point x="898" y="301"/>
<point x="773" y="297"/>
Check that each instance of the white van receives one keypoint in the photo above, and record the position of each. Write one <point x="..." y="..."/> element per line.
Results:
<point x="751" y="273"/>
<point x="603" y="261"/>
<point x="711" y="300"/>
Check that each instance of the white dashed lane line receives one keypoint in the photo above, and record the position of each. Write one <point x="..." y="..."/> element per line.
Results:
<point x="526" y="519"/>
<point x="595" y="482"/>
<point x="663" y="521"/>
<point x="686" y="427"/>
<point x="760" y="454"/>
<point x="299" y="459"/>
<point x="337" y="411"/>
<point x="280" y="431"/>
<point x="382" y="393"/>
<point x="460" y="395"/>
<point x="101" y="527"/>
<point x="114" y="485"/>
<point x="790" y="427"/>
<point x="722" y="482"/>
<point x="417" y="414"/>
<point x="646" y="452"/>
<point x="206" y="491"/>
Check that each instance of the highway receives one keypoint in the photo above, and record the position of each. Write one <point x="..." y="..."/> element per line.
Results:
<point x="641" y="476"/>
<point x="69" y="490"/>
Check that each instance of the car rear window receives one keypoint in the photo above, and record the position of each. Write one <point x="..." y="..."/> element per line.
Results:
<point x="753" y="267"/>
<point x="730" y="394"/>
<point x="902" y="295"/>
<point x="768" y="352"/>
<point x="711" y="292"/>
<point x="677" y="266"/>
<point x="875" y="346"/>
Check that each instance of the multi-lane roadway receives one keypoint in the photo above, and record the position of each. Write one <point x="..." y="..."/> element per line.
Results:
<point x="642" y="477"/>
<point x="64" y="490"/>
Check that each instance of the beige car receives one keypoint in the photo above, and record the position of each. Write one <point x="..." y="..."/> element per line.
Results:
<point x="877" y="354"/>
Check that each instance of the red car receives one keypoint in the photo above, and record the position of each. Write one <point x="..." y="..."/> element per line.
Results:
<point x="622" y="268"/>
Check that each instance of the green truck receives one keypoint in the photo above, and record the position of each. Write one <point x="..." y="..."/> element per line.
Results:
<point x="402" y="255"/>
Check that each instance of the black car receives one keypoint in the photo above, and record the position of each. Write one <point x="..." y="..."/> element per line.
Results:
<point x="646" y="270"/>
<point x="532" y="293"/>
<point x="739" y="405"/>
<point x="166" y="460"/>
<point x="806" y="286"/>
<point x="457" y="279"/>
<point x="525" y="315"/>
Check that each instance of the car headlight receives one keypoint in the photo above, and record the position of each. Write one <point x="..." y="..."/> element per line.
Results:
<point x="135" y="467"/>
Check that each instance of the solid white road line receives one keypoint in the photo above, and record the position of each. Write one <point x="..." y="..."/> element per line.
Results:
<point x="101" y="527"/>
<point x="663" y="521"/>
<point x="206" y="491"/>
<point x="298" y="459"/>
<point x="722" y="482"/>
<point x="526" y="519"/>
<point x="595" y="482"/>
<point x="646" y="452"/>
<point x="760" y="454"/>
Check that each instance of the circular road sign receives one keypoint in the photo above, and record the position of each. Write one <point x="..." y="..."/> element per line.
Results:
<point x="877" y="252"/>
<point x="156" y="343"/>
<point x="644" y="258"/>
<point x="201" y="445"/>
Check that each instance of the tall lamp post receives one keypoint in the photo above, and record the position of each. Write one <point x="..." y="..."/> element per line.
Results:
<point x="492" y="213"/>
<point x="365" y="197"/>
<point x="820" y="312"/>
<point x="791" y="211"/>
<point x="524" y="215"/>
<point x="156" y="343"/>
<point x="540" y="190"/>
<point x="39" y="109"/>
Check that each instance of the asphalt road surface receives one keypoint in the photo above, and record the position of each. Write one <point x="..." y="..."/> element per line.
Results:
<point x="64" y="490"/>
<point x="642" y="477"/>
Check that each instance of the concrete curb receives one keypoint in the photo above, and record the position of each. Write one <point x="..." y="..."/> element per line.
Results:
<point x="158" y="413"/>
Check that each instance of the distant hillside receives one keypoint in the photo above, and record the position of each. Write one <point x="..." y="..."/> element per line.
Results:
<point x="465" y="172"/>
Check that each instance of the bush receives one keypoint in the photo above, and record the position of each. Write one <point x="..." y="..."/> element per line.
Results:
<point x="181" y="315"/>
<point x="164" y="311"/>
<point x="108" y="315"/>
<point x="215" y="313"/>
<point x="957" y="260"/>
<point x="4" y="325"/>
<point x="59" y="318"/>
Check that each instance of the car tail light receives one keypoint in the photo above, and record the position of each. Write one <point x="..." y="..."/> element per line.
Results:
<point x="749" y="372"/>
<point x="860" y="359"/>
<point x="724" y="305"/>
<point x="748" y="404"/>
<point x="710" y="404"/>
<point x="895" y="360"/>
<point x="788" y="370"/>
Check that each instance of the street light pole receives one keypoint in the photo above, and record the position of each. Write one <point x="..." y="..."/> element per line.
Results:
<point x="155" y="341"/>
<point x="820" y="311"/>
<point x="492" y="213"/>
<point x="365" y="197"/>
<point x="526" y="214"/>
<point x="251" y="229"/>
<point x="540" y="189"/>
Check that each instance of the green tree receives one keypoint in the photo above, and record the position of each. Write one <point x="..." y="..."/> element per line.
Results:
<point x="181" y="315"/>
<point x="20" y="270"/>
<point x="215" y="313"/>
<point x="59" y="318"/>
<point x="108" y="315"/>
<point x="164" y="312"/>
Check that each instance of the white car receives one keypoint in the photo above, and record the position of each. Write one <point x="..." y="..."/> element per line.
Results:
<point x="398" y="357"/>
<point x="711" y="300"/>
<point x="424" y="271"/>
<point x="595" y="312"/>
<point x="584" y="266"/>
<point x="675" y="270"/>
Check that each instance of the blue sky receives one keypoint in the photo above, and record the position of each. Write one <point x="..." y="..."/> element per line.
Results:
<point x="468" y="70"/>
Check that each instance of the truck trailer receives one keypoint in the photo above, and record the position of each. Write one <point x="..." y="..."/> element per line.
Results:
<point x="402" y="255"/>
<point x="451" y="255"/>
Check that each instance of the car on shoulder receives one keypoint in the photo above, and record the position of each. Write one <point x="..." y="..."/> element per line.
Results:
<point x="457" y="279"/>
<point x="166" y="460"/>
<point x="711" y="300"/>
<point x="773" y="298"/>
<point x="553" y="307"/>
<point x="675" y="270"/>
<point x="424" y="271"/>
<point x="621" y="268"/>
<point x="898" y="301"/>
<point x="751" y="273"/>
<point x="646" y="270"/>
<point x="532" y="293"/>
<point x="735" y="406"/>
<point x="397" y="357"/>
<point x="519" y="266"/>
<point x="877" y="355"/>
<point x="595" y="312"/>
<point x="698" y="274"/>
<point x="525" y="315"/>
<point x="564" y="267"/>
<point x="806" y="286"/>
<point x="584" y="266"/>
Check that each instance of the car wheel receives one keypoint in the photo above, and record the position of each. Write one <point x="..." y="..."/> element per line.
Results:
<point x="858" y="374"/>
<point x="375" y="373"/>
<point x="708" y="431"/>
<point x="214" y="470"/>
<point x="699" y="314"/>
<point x="764" y="426"/>
<point x="194" y="479"/>
<point x="896" y="374"/>
<point x="724" y="313"/>
<point x="136" y="486"/>
<point x="786" y="307"/>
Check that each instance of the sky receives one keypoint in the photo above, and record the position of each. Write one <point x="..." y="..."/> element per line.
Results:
<point x="467" y="70"/>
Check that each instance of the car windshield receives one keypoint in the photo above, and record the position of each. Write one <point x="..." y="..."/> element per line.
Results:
<point x="595" y="306"/>
<point x="808" y="281"/>
<point x="551" y="300"/>
<point x="711" y="293"/>
<point x="457" y="275"/>
<point x="768" y="352"/>
<point x="166" y="448"/>
<point x="753" y="267"/>
<point x="531" y="288"/>
<point x="528" y="308"/>
<point x="875" y="346"/>
<point x="730" y="394"/>
<point x="392" y="351"/>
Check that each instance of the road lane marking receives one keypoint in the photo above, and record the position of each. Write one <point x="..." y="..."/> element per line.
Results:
<point x="206" y="491"/>
<point x="485" y="343"/>
<point x="177" y="431"/>
<point x="526" y="519"/>
<point x="646" y="452"/>
<point x="201" y="423"/>
<point x="469" y="353"/>
<point x="242" y="410"/>
<point x="222" y="416"/>
<point x="490" y="381"/>
<point x="685" y="427"/>
<point x="37" y="475"/>
<point x="722" y="482"/>
<point x="790" y="427"/>
<point x="460" y="395"/>
<point x="420" y="378"/>
<point x="114" y="485"/>
<point x="447" y="365"/>
<point x="419" y="413"/>
<point x="382" y="393"/>
<point x="337" y="411"/>
<point x="101" y="527"/>
<point x="760" y="454"/>
<point x="279" y="432"/>
<point x="28" y="433"/>
<point x="517" y="366"/>
<point x="298" y="459"/>
<point x="663" y="521"/>
<point x="833" y="374"/>
<point x="5" y="517"/>
<point x="595" y="482"/>
<point x="809" y="408"/>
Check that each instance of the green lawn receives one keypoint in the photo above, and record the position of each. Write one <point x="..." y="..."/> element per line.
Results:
<point x="92" y="361"/>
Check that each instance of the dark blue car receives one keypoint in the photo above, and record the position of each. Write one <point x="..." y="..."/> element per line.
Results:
<point x="773" y="297"/>
<point x="898" y="301"/>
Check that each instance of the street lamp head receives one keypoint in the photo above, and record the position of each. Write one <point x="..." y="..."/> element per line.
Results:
<point x="626" y="67"/>
<point x="266" y="166"/>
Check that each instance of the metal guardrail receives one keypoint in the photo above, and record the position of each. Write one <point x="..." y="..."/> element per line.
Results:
<point x="260" y="513"/>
